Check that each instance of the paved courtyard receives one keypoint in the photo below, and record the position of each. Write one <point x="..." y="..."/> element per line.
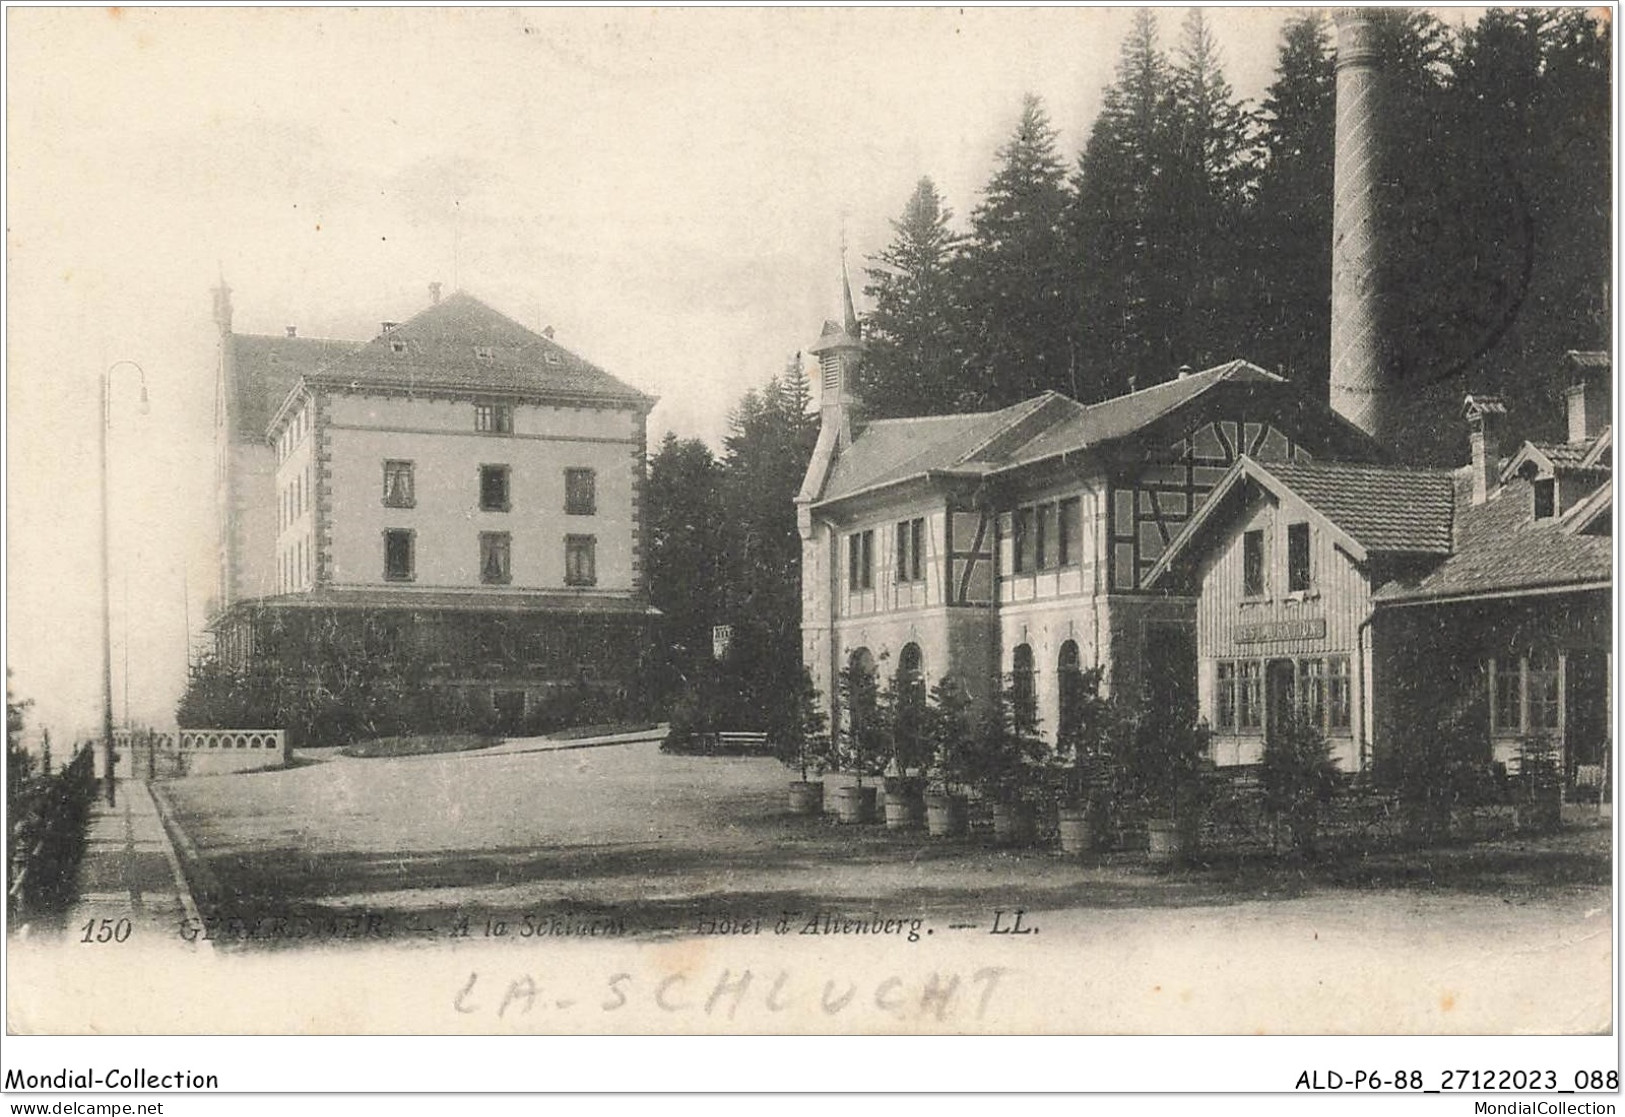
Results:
<point x="618" y="870"/>
<point x="660" y="838"/>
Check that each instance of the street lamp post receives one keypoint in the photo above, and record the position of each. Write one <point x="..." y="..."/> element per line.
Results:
<point x="107" y="606"/>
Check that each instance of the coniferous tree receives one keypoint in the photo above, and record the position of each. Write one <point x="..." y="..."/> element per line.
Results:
<point x="914" y="363"/>
<point x="1210" y="178"/>
<point x="770" y="441"/>
<point x="682" y="525"/>
<point x="1016" y="278"/>
<point x="1118" y="193"/>
<point x="1290" y="221"/>
<point x="1531" y="107"/>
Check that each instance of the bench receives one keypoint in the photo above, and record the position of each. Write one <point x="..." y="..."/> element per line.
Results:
<point x="742" y="742"/>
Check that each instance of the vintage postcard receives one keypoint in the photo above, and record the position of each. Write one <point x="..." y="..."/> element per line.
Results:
<point x="832" y="521"/>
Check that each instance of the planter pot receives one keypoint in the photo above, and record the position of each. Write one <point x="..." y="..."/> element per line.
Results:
<point x="946" y="816"/>
<point x="904" y="810"/>
<point x="1076" y="828"/>
<point x="855" y="804"/>
<point x="1165" y="841"/>
<point x="806" y="797"/>
<point x="1014" y="824"/>
<point x="834" y="782"/>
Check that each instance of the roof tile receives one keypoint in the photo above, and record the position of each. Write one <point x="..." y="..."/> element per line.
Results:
<point x="1500" y="546"/>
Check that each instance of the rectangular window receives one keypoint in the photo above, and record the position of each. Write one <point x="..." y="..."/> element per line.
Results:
<point x="1250" y="695"/>
<point x="399" y="491"/>
<point x="1299" y="577"/>
<point x="495" y="548"/>
<point x="1224" y="697"/>
<point x="1338" y="698"/>
<point x="1508" y="706"/>
<point x="493" y="418"/>
<point x="910" y="544"/>
<point x="1545" y="498"/>
<point x="1545" y="709"/>
<point x="1044" y="532"/>
<point x="1066" y="533"/>
<point x="854" y="562"/>
<point x="1312" y="691"/>
<point x="493" y="488"/>
<point x="398" y="560"/>
<point x="867" y="557"/>
<point x="1252" y="564"/>
<point x="580" y="560"/>
<point x="580" y="492"/>
<point x="1021" y="540"/>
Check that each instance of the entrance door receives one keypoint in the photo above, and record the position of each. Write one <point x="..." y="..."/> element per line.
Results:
<point x="1280" y="699"/>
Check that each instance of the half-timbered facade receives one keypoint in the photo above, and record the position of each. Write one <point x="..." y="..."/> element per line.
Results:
<point x="1380" y="602"/>
<point x="1014" y="544"/>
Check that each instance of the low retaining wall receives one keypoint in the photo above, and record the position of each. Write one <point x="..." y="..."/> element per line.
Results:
<point x="199" y="752"/>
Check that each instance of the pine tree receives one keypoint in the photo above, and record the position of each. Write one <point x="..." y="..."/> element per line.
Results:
<point x="770" y="441"/>
<point x="1290" y="224"/>
<point x="1210" y="176"/>
<point x="1117" y="191"/>
<point x="1016" y="279"/>
<point x="682" y="518"/>
<point x="913" y="364"/>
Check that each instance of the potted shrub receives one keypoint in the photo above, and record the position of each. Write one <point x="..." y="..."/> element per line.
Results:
<point x="797" y="729"/>
<point x="1080" y="775"/>
<point x="1008" y="767"/>
<point x="1540" y="785"/>
<point x="861" y="744"/>
<point x="1167" y="765"/>
<point x="949" y="730"/>
<point x="906" y="718"/>
<point x="1298" y="775"/>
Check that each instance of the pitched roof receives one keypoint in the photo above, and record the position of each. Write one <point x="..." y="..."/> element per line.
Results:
<point x="1386" y="508"/>
<point x="1369" y="509"/>
<point x="1125" y="415"/>
<point x="462" y="344"/>
<point x="266" y="368"/>
<point x="1501" y="547"/>
<point x="1551" y="458"/>
<point x="893" y="450"/>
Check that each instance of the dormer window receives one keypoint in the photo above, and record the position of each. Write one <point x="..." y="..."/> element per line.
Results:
<point x="485" y="353"/>
<point x="398" y="346"/>
<point x="1545" y="490"/>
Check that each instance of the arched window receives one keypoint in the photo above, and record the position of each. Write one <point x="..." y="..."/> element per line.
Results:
<point x="1024" y="689"/>
<point x="1069" y="683"/>
<point x="858" y="694"/>
<point x="911" y="749"/>
<point x="911" y="674"/>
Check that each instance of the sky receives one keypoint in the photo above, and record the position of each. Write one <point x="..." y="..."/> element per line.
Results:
<point x="667" y="188"/>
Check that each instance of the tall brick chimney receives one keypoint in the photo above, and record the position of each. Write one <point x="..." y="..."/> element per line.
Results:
<point x="1362" y="370"/>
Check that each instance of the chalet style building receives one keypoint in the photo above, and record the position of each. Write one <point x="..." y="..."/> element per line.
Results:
<point x="1375" y="599"/>
<point x="1016" y="543"/>
<point x="457" y="499"/>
